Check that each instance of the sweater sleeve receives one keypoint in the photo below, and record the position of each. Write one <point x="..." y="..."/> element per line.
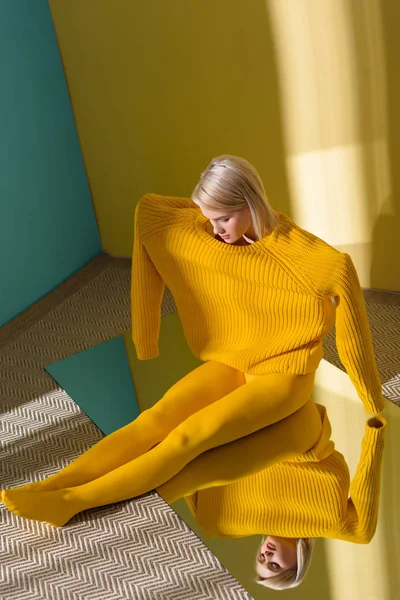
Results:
<point x="363" y="504"/>
<point x="353" y="337"/>
<point x="147" y="288"/>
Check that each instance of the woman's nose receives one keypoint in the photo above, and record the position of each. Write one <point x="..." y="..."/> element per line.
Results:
<point x="264" y="555"/>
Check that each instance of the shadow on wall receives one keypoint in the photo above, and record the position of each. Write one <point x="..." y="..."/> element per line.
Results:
<point x="386" y="238"/>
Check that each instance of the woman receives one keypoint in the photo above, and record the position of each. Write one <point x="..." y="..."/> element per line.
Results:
<point x="255" y="302"/>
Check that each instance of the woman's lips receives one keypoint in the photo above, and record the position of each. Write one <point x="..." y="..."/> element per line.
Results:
<point x="271" y="547"/>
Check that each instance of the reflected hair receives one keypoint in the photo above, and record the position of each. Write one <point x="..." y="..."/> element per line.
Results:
<point x="230" y="183"/>
<point x="290" y="578"/>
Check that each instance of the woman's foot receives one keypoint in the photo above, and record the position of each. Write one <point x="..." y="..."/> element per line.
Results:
<point x="37" y="486"/>
<point x="53" y="507"/>
<point x="57" y="481"/>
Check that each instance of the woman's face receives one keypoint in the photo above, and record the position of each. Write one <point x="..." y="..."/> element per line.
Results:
<point x="276" y="554"/>
<point x="231" y="226"/>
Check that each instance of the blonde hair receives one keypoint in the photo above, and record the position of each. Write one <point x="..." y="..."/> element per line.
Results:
<point x="231" y="183"/>
<point x="291" y="577"/>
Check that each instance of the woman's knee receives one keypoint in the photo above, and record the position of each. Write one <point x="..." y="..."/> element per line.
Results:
<point x="189" y="437"/>
<point x="157" y="420"/>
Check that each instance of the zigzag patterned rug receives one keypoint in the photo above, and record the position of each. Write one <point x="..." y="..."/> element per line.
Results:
<point x="139" y="549"/>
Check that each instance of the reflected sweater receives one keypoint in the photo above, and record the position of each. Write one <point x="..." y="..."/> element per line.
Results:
<point x="304" y="497"/>
<point x="262" y="308"/>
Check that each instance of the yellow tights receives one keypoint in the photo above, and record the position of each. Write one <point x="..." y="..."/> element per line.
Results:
<point x="212" y="406"/>
<point x="285" y="440"/>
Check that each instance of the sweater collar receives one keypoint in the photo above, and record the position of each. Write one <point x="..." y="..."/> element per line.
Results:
<point x="201" y="229"/>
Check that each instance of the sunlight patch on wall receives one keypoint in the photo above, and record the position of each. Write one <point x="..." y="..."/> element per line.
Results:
<point x="329" y="192"/>
<point x="331" y="72"/>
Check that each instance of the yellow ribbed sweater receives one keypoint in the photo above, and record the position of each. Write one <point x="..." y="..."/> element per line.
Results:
<point x="305" y="497"/>
<point x="263" y="308"/>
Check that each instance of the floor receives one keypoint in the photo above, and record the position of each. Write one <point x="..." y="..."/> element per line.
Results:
<point x="138" y="549"/>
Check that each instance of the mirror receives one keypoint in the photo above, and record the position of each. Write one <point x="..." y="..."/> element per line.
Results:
<point x="111" y="386"/>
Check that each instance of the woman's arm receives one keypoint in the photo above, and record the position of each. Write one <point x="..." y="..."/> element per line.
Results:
<point x="147" y="288"/>
<point x="353" y="337"/>
<point x="363" y="504"/>
<point x="328" y="272"/>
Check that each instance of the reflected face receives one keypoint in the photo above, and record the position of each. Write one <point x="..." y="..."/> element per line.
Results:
<point x="275" y="555"/>
<point x="231" y="226"/>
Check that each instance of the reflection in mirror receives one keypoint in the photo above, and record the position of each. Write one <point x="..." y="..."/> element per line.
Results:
<point x="339" y="569"/>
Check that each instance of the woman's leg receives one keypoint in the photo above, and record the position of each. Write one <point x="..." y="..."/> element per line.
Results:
<point x="199" y="388"/>
<point x="285" y="440"/>
<point x="257" y="404"/>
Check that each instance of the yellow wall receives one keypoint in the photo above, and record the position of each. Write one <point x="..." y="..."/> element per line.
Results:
<point x="158" y="89"/>
<point x="309" y="95"/>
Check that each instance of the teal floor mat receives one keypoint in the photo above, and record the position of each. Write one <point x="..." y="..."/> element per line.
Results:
<point x="99" y="381"/>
